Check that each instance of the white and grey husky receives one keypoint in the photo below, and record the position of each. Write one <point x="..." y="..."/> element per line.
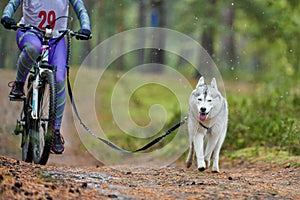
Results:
<point x="208" y="117"/>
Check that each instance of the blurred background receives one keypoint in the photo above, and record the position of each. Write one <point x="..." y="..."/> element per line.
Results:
<point x="254" y="43"/>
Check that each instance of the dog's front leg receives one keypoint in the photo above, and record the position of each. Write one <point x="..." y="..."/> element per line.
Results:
<point x="215" y="166"/>
<point x="212" y="139"/>
<point x="198" y="144"/>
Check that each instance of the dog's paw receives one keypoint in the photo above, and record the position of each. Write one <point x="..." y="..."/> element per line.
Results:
<point x="188" y="164"/>
<point x="215" y="170"/>
<point x="201" y="165"/>
<point x="201" y="169"/>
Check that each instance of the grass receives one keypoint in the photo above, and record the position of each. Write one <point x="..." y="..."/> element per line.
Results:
<point x="267" y="115"/>
<point x="266" y="155"/>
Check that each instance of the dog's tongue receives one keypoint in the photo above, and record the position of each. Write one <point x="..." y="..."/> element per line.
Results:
<point x="202" y="117"/>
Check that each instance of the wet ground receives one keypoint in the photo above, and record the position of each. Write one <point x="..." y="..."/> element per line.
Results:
<point x="19" y="180"/>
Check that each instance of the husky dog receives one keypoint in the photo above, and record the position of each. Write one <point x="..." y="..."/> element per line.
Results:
<point x="208" y="117"/>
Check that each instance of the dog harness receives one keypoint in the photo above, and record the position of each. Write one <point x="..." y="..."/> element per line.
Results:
<point x="203" y="126"/>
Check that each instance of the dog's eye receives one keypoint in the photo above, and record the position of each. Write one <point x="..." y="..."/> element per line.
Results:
<point x="199" y="99"/>
<point x="209" y="100"/>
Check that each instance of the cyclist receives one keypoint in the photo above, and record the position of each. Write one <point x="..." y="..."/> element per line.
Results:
<point x="40" y="13"/>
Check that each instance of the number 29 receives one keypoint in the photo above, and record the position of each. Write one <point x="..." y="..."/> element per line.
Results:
<point x="47" y="17"/>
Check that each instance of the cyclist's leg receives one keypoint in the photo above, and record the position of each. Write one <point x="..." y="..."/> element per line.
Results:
<point x="30" y="46"/>
<point x="57" y="57"/>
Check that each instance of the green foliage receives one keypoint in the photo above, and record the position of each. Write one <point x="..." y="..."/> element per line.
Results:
<point x="265" y="155"/>
<point x="267" y="115"/>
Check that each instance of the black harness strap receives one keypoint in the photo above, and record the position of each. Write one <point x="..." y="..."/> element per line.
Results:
<point x="156" y="140"/>
<point x="110" y="144"/>
<point x="85" y="126"/>
<point x="203" y="126"/>
<point x="75" y="108"/>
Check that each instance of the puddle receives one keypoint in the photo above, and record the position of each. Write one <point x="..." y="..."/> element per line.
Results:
<point x="93" y="180"/>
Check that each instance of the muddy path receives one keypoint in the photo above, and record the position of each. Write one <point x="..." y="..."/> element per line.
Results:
<point x="19" y="180"/>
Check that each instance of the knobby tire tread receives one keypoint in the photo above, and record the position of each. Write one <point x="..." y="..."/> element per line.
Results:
<point x="27" y="149"/>
<point x="50" y="80"/>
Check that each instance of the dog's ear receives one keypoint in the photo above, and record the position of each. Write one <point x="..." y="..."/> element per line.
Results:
<point x="214" y="83"/>
<point x="200" y="82"/>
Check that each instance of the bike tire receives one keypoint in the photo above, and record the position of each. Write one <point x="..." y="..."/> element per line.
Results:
<point x="26" y="144"/>
<point x="44" y="127"/>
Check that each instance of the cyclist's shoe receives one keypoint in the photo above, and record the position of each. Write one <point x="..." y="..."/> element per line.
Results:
<point x="17" y="91"/>
<point x="58" y="143"/>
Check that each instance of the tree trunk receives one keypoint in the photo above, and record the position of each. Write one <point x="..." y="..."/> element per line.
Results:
<point x="158" y="19"/>
<point x="141" y="23"/>
<point x="207" y="38"/>
<point x="228" y="52"/>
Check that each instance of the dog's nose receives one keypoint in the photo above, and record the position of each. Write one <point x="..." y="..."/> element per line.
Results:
<point x="202" y="109"/>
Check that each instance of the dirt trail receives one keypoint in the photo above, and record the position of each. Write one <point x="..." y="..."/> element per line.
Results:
<point x="19" y="180"/>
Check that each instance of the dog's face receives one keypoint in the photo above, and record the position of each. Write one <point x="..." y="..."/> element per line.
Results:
<point x="205" y="99"/>
<point x="204" y="104"/>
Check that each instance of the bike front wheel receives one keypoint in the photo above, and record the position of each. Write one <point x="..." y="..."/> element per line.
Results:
<point x="44" y="126"/>
<point x="40" y="130"/>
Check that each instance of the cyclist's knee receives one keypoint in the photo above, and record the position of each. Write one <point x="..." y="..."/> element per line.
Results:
<point x="32" y="51"/>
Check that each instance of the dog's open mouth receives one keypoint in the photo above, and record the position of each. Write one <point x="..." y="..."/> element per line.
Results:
<point x="202" y="116"/>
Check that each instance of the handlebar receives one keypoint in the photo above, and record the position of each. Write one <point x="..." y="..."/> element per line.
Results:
<point x="49" y="32"/>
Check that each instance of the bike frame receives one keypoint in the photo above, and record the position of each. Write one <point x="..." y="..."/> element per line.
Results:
<point x="40" y="69"/>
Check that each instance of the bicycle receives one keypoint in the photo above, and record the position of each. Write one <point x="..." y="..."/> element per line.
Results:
<point x="38" y="115"/>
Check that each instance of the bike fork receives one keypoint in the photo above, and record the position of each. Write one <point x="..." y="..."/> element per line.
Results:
<point x="35" y="97"/>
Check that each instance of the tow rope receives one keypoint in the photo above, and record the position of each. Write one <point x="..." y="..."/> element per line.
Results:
<point x="110" y="144"/>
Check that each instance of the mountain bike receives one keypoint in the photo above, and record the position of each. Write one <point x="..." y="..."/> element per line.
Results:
<point x="38" y="115"/>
